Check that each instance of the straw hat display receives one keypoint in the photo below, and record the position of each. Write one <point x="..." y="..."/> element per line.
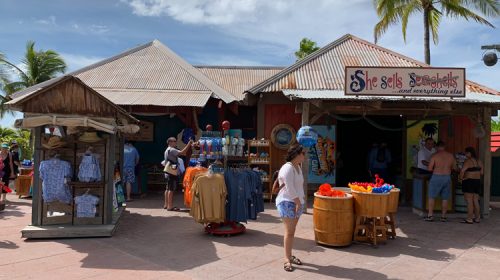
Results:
<point x="54" y="142"/>
<point x="90" y="136"/>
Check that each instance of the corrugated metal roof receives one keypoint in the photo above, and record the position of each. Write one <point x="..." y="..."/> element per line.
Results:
<point x="152" y="66"/>
<point x="325" y="68"/>
<point x="471" y="97"/>
<point x="167" y="98"/>
<point x="29" y="94"/>
<point x="237" y="79"/>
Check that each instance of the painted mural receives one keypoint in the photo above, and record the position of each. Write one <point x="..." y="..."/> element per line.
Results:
<point x="415" y="139"/>
<point x="322" y="156"/>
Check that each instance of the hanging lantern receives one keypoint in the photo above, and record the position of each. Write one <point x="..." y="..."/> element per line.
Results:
<point x="307" y="136"/>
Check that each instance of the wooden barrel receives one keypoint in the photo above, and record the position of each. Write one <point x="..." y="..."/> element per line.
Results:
<point x="370" y="204"/>
<point x="393" y="201"/>
<point x="333" y="219"/>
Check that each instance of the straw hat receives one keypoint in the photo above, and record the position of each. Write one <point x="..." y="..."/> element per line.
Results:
<point x="54" y="142"/>
<point x="89" y="136"/>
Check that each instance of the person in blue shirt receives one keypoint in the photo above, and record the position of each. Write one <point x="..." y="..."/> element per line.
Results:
<point x="130" y="160"/>
<point x="379" y="160"/>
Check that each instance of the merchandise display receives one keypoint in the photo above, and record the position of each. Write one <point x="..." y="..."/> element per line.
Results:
<point x="89" y="169"/>
<point x="86" y="205"/>
<point x="327" y="190"/>
<point x="307" y="136"/>
<point x="378" y="187"/>
<point x="55" y="173"/>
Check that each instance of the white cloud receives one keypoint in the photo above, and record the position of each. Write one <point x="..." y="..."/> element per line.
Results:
<point x="51" y="20"/>
<point x="98" y="29"/>
<point x="76" y="61"/>
<point x="229" y="60"/>
<point x="284" y="23"/>
<point x="219" y="12"/>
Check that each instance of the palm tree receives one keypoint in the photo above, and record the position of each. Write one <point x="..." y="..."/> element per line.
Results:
<point x="393" y="11"/>
<point x="39" y="66"/>
<point x="7" y="133"/>
<point x="429" y="129"/>
<point x="306" y="47"/>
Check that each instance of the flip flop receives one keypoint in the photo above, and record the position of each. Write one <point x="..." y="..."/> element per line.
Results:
<point x="296" y="260"/>
<point x="465" y="221"/>
<point x="173" y="209"/>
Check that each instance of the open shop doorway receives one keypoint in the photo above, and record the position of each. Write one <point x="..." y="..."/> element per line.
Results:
<point x="356" y="139"/>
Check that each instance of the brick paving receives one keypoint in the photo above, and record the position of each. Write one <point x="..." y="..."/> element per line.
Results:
<point x="151" y="243"/>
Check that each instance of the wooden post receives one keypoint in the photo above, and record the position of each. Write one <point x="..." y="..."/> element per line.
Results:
<point x="305" y="166"/>
<point x="36" y="207"/>
<point x="485" y="156"/>
<point x="109" y="179"/>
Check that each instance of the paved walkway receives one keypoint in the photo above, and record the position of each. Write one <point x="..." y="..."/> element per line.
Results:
<point x="152" y="243"/>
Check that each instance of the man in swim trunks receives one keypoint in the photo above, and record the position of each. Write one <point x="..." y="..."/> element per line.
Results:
<point x="442" y="164"/>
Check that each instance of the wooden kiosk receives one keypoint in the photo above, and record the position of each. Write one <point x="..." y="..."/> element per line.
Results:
<point x="67" y="110"/>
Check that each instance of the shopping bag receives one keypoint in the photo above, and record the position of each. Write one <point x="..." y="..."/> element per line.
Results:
<point x="171" y="168"/>
<point x="120" y="196"/>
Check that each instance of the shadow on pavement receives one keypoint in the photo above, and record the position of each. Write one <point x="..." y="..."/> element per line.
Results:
<point x="342" y="272"/>
<point x="6" y="244"/>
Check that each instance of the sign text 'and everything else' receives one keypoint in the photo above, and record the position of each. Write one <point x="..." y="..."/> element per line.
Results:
<point x="405" y="81"/>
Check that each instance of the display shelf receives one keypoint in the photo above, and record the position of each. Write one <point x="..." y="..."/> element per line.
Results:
<point x="259" y="155"/>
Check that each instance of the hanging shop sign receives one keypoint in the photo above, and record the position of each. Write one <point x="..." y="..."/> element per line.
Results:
<point x="405" y="81"/>
<point x="145" y="134"/>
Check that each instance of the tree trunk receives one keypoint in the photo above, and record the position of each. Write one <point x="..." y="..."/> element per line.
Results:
<point x="427" y="49"/>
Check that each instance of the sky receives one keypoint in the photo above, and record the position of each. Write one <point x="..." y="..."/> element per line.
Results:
<point x="227" y="32"/>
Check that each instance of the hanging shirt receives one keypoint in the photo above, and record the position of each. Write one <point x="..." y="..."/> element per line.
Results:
<point x="53" y="172"/>
<point x="89" y="170"/>
<point x="209" y="197"/>
<point x="187" y="183"/>
<point x="86" y="206"/>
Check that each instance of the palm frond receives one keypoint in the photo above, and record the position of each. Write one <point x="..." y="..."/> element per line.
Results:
<point x="490" y="8"/>
<point x="454" y="9"/>
<point x="434" y="21"/>
<point x="407" y="10"/>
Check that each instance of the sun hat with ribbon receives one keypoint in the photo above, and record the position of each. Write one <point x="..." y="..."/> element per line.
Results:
<point x="54" y="142"/>
<point x="90" y="136"/>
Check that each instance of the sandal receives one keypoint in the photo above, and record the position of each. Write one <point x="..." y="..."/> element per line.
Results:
<point x="444" y="219"/>
<point x="288" y="267"/>
<point x="477" y="221"/>
<point x="429" y="219"/>
<point x="465" y="221"/>
<point x="296" y="260"/>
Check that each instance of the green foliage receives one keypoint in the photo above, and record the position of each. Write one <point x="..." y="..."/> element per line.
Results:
<point x="393" y="12"/>
<point x="306" y="48"/>
<point x="22" y="136"/>
<point x="495" y="125"/>
<point x="37" y="66"/>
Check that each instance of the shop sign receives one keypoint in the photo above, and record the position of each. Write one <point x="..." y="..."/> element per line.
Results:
<point x="405" y="81"/>
<point x="145" y="134"/>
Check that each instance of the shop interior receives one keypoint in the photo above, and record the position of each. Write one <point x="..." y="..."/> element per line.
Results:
<point x="355" y="139"/>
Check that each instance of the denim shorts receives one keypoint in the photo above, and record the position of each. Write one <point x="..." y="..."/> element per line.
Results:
<point x="440" y="185"/>
<point x="287" y="210"/>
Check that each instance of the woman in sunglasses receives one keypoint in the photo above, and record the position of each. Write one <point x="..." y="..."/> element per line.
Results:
<point x="290" y="199"/>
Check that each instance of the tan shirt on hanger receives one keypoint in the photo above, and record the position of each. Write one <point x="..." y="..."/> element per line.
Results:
<point x="209" y="199"/>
